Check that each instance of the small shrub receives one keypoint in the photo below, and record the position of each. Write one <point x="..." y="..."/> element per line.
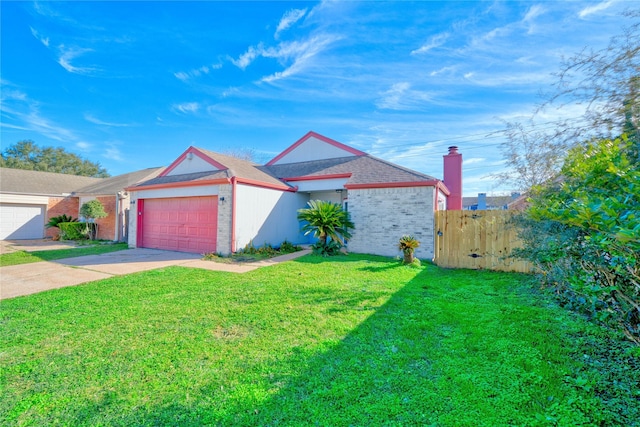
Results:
<point x="54" y="221"/>
<point x="249" y="249"/>
<point x="73" y="230"/>
<point x="408" y="245"/>
<point x="212" y="256"/>
<point x="330" y="249"/>
<point x="287" y="247"/>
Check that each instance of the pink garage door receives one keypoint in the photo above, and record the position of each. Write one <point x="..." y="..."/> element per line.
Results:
<point x="185" y="224"/>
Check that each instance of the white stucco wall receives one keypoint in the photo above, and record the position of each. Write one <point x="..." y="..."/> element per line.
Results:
<point x="267" y="216"/>
<point x="313" y="149"/>
<point x="383" y="215"/>
<point x="320" y="184"/>
<point x="442" y="201"/>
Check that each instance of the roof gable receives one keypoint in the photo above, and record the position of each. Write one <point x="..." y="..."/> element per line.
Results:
<point x="314" y="146"/>
<point x="193" y="161"/>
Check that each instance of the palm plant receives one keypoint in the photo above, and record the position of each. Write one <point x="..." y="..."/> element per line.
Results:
<point x="408" y="245"/>
<point x="326" y="220"/>
<point x="54" y="221"/>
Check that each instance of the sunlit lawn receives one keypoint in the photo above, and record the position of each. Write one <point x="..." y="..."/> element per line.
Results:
<point x="23" y="257"/>
<point x="346" y="341"/>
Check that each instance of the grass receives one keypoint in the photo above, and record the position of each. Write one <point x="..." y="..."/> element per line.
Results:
<point x="22" y="257"/>
<point x="345" y="341"/>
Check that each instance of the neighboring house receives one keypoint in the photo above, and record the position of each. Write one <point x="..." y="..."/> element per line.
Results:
<point x="206" y="202"/>
<point x="484" y="203"/>
<point x="28" y="199"/>
<point x="111" y="193"/>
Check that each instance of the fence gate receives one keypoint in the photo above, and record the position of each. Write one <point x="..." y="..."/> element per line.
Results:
<point x="478" y="240"/>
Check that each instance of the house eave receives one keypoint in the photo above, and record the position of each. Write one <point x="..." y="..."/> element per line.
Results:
<point x="433" y="183"/>
<point x="180" y="184"/>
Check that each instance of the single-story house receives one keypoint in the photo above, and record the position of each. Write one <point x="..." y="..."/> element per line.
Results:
<point x="115" y="199"/>
<point x="28" y="199"/>
<point x="206" y="202"/>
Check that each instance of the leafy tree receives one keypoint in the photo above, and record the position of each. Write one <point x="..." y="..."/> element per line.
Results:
<point x="27" y="155"/>
<point x="606" y="83"/>
<point x="328" y="222"/>
<point x="91" y="211"/>
<point x="583" y="232"/>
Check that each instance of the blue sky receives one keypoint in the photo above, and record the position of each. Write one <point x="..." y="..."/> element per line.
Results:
<point x="133" y="84"/>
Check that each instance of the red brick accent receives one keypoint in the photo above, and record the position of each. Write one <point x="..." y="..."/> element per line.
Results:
<point x="61" y="206"/>
<point x="107" y="226"/>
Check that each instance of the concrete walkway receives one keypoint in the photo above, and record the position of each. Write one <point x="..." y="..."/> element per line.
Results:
<point x="25" y="279"/>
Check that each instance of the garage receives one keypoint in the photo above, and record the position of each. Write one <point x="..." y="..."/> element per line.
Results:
<point x="185" y="224"/>
<point x="19" y="221"/>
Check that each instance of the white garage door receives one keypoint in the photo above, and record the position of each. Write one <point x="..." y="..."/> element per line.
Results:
<point x="21" y="221"/>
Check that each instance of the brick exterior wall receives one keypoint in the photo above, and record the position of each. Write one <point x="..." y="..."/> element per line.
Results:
<point x="383" y="215"/>
<point x="223" y="242"/>
<point x="107" y="226"/>
<point x="61" y="206"/>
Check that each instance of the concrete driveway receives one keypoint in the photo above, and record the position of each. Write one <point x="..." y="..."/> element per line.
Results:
<point x="25" y="279"/>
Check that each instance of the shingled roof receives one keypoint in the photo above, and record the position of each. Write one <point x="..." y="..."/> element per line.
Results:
<point x="360" y="170"/>
<point x="110" y="186"/>
<point x="241" y="169"/>
<point x="364" y="169"/>
<point x="21" y="181"/>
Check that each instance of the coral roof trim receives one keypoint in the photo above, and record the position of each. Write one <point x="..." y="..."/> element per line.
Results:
<point x="432" y="183"/>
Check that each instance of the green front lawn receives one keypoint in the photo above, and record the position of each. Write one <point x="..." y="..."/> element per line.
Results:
<point x="23" y="257"/>
<point x="346" y="341"/>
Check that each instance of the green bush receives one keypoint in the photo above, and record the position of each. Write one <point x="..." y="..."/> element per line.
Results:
<point x="287" y="247"/>
<point x="582" y="232"/>
<point x="54" y="221"/>
<point x="327" y="221"/>
<point x="73" y="230"/>
<point x="331" y="248"/>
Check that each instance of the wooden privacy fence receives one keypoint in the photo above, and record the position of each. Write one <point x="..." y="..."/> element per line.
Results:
<point x="478" y="240"/>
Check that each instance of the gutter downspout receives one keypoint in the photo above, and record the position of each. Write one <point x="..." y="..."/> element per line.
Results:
<point x="116" y="232"/>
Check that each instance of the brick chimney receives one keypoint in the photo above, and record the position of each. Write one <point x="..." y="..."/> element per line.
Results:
<point x="453" y="178"/>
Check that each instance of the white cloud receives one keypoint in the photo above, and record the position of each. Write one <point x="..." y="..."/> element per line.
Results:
<point x="474" y="160"/>
<point x="403" y="97"/>
<point x="529" y="18"/>
<point x="434" y="42"/>
<point x="289" y="18"/>
<point x="299" y="53"/>
<point x="247" y="58"/>
<point x="197" y="72"/>
<point x="94" y="120"/>
<point x="533" y="12"/>
<point x="69" y="54"/>
<point x="112" y="152"/>
<point x="443" y="70"/>
<point x="590" y="10"/>
<point x="43" y="40"/>
<point x="187" y="107"/>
